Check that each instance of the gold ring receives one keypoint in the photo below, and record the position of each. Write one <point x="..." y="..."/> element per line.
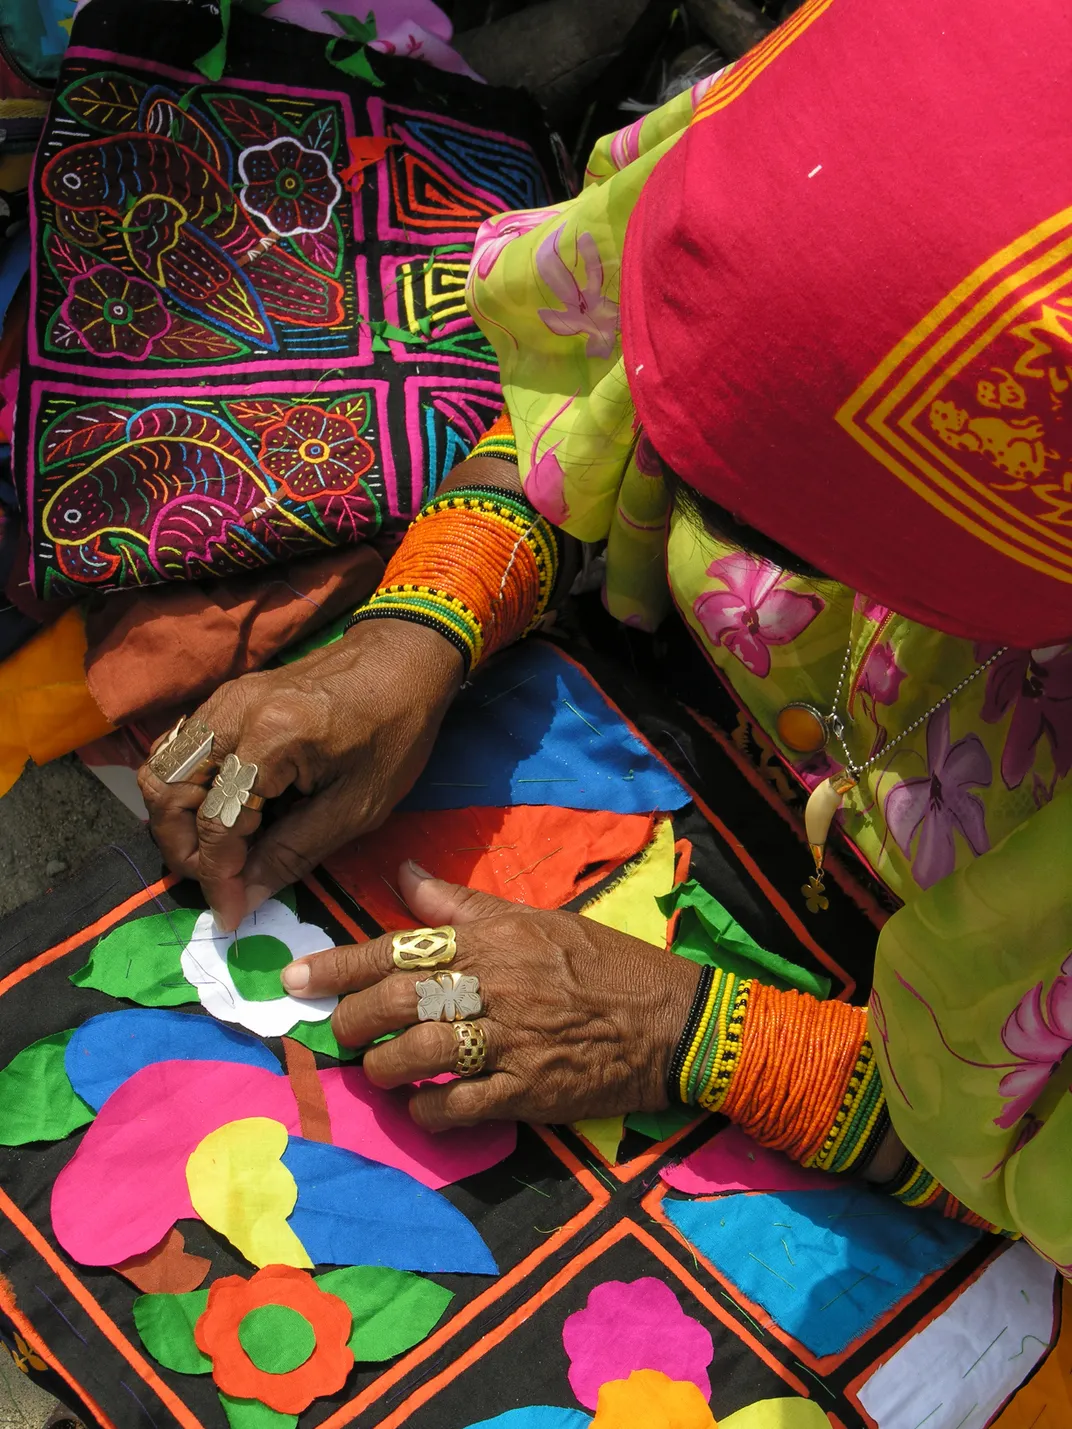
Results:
<point x="231" y="792"/>
<point x="472" y="1050"/>
<point x="185" y="757"/>
<point x="424" y="948"/>
<point x="448" y="997"/>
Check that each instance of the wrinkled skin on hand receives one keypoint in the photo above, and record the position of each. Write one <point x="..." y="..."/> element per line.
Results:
<point x="581" y="1021"/>
<point x="350" y="726"/>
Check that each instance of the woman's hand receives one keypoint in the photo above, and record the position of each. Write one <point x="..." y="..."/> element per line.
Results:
<point x="351" y="726"/>
<point x="581" y="1021"/>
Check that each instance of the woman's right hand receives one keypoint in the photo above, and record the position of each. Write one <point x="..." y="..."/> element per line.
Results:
<point x="350" y="726"/>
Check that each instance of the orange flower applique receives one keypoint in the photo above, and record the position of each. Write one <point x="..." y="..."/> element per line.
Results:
<point x="650" y="1400"/>
<point x="328" y="1322"/>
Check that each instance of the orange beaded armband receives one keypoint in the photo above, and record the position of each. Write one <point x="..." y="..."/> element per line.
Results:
<point x="478" y="565"/>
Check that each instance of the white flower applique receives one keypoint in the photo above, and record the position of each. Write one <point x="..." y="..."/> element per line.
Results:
<point x="237" y="974"/>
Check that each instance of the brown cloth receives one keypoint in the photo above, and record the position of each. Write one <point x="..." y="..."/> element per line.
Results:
<point x="173" y="645"/>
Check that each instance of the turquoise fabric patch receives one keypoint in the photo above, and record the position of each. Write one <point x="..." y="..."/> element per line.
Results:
<point x="824" y="1264"/>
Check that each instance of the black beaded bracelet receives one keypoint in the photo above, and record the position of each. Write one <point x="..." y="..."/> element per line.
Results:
<point x="696" y="1011"/>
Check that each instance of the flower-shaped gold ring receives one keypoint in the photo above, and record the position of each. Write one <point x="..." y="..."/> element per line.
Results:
<point x="231" y="792"/>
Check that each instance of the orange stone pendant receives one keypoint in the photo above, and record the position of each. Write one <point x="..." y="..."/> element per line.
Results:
<point x="802" y="728"/>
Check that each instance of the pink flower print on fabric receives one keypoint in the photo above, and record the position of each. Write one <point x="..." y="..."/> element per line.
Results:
<point x="587" y="311"/>
<point x="1037" y="686"/>
<point x="625" y="145"/>
<point x="1040" y="1034"/>
<point x="940" y="803"/>
<point x="545" y="483"/>
<point x="496" y="234"/>
<point x="708" y="82"/>
<point x="633" y="1325"/>
<point x="881" y="675"/>
<point x="755" y="611"/>
<point x="870" y="609"/>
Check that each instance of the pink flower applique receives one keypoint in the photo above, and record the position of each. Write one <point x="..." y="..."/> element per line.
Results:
<point x="940" y="803"/>
<point x="1037" y="686"/>
<point x="755" y="611"/>
<point x="587" y="310"/>
<point x="1041" y="1034"/>
<point x="545" y="483"/>
<point x="634" y="1325"/>
<point x="496" y="234"/>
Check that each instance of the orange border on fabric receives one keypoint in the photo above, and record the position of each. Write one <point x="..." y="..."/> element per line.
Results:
<point x="752" y="66"/>
<point x="42" y="960"/>
<point x="600" y="1198"/>
<point x="611" y="1237"/>
<point x="819" y="1364"/>
<point x="335" y="909"/>
<point x="599" y="1194"/>
<point x="10" y="1308"/>
<point x="96" y="1312"/>
<point x="628" y="1170"/>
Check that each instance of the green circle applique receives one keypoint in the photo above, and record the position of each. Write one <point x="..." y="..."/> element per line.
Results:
<point x="276" y="1338"/>
<point x="255" y="964"/>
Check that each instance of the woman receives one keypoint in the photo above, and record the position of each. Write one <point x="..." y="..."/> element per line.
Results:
<point x="842" y="324"/>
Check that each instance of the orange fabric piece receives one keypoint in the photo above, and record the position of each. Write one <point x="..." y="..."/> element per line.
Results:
<point x="649" y="1400"/>
<point x="167" y="1269"/>
<point x="1045" y="1402"/>
<point x="365" y="150"/>
<point x="45" y="706"/>
<point x="231" y="1299"/>
<point x="535" y="854"/>
<point x="150" y="650"/>
<point x="308" y="1091"/>
<point x="502" y="426"/>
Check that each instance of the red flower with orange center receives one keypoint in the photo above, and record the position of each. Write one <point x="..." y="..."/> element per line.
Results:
<point x="231" y="1299"/>
<point x="311" y="452"/>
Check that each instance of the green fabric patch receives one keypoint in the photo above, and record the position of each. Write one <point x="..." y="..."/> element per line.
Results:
<point x="318" y="1037"/>
<point x="140" y="960"/>
<point x="392" y="1309"/>
<point x="166" y="1326"/>
<point x="252" y="1414"/>
<point x="276" y="1338"/>
<point x="255" y="964"/>
<point x="709" y="935"/>
<point x="658" y="1125"/>
<point x="287" y="896"/>
<point x="37" y="1101"/>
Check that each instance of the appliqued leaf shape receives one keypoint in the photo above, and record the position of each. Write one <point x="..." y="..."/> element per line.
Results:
<point x="83" y="429"/>
<point x="110" y="101"/>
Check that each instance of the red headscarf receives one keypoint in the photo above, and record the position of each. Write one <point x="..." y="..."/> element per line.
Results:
<point x="847" y="305"/>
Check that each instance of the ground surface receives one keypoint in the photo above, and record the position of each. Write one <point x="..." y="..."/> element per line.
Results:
<point x="50" y="822"/>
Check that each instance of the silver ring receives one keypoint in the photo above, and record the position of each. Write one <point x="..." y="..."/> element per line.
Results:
<point x="185" y="753"/>
<point x="231" y="792"/>
<point x="448" y="997"/>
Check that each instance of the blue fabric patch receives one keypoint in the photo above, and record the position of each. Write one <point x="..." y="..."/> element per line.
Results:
<point x="352" y="1211"/>
<point x="537" y="1416"/>
<point x="108" y="1049"/>
<point x="534" y="729"/>
<point x="825" y="1264"/>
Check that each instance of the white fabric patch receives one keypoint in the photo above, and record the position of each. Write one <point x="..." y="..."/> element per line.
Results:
<point x="961" y="1367"/>
<point x="204" y="965"/>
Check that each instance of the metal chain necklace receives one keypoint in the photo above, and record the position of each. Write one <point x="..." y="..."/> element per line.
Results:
<point x="805" y="730"/>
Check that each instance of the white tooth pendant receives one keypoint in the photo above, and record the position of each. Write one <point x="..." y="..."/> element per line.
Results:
<point x="823" y="803"/>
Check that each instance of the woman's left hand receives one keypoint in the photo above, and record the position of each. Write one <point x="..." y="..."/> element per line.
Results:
<point x="581" y="1021"/>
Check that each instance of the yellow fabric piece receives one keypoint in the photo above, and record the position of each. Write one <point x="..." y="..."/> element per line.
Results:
<point x="629" y="905"/>
<point x="1045" y="1402"/>
<point x="239" y="1186"/>
<point x="649" y="1400"/>
<point x="45" y="706"/>
<point x="605" y="1133"/>
<point x="778" y="1414"/>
